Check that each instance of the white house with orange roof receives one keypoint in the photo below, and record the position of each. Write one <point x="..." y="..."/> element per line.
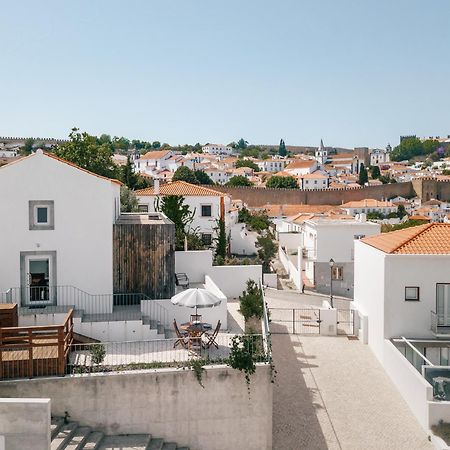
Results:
<point x="208" y="205"/>
<point x="154" y="160"/>
<point x="273" y="164"/>
<point x="315" y="180"/>
<point x="368" y="205"/>
<point x="217" y="149"/>
<point x="301" y="167"/>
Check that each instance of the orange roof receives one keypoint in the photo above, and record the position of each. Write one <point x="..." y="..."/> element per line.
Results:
<point x="181" y="188"/>
<point x="428" y="239"/>
<point x="342" y="156"/>
<point x="367" y="203"/>
<point x="157" y="154"/>
<point x="419" y="217"/>
<point x="316" y="175"/>
<point x="301" y="164"/>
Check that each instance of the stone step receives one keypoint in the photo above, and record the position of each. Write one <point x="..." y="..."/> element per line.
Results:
<point x="64" y="435"/>
<point x="156" y="444"/>
<point x="169" y="446"/>
<point x="78" y="439"/>
<point x="56" y="424"/>
<point x="93" y="441"/>
<point x="125" y="442"/>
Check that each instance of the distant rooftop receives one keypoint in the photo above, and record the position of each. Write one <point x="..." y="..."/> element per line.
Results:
<point x="143" y="219"/>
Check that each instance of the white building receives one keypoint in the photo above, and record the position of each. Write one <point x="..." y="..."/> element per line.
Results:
<point x="369" y="205"/>
<point x="272" y="165"/>
<point x="219" y="176"/>
<point x="57" y="220"/>
<point x="380" y="156"/>
<point x="325" y="238"/>
<point x="8" y="153"/>
<point x="217" y="149"/>
<point x="321" y="154"/>
<point x="301" y="167"/>
<point x="207" y="205"/>
<point x="154" y="160"/>
<point x="316" y="180"/>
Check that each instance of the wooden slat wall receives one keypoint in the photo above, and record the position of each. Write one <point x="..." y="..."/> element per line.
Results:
<point x="144" y="259"/>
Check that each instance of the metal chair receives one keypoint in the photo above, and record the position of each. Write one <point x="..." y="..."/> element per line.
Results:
<point x="211" y="338"/>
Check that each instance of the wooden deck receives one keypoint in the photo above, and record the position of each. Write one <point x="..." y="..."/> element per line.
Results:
<point x="35" y="351"/>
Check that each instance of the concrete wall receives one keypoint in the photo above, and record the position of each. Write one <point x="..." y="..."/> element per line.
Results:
<point x="25" y="423"/>
<point x="270" y="280"/>
<point x="167" y="403"/>
<point x="243" y="241"/>
<point x="343" y="287"/>
<point x="195" y="263"/>
<point x="293" y="270"/>
<point x="413" y="387"/>
<point x="291" y="241"/>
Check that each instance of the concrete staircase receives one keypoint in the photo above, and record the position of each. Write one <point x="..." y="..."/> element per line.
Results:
<point x="70" y="436"/>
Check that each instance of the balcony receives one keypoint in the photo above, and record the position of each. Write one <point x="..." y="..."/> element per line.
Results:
<point x="437" y="326"/>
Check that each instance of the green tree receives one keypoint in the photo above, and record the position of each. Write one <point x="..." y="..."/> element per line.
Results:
<point x="282" y="182"/>
<point x="239" y="180"/>
<point x="27" y="147"/>
<point x="363" y="176"/>
<point x="282" y="148"/>
<point x="174" y="208"/>
<point x="104" y="139"/>
<point x="251" y="301"/>
<point x="241" y="162"/>
<point x="266" y="248"/>
<point x="156" y="144"/>
<point x="401" y="211"/>
<point x="203" y="178"/>
<point x="128" y="176"/>
<point x="183" y="173"/>
<point x="83" y="150"/>
<point x="407" y="149"/>
<point x="375" y="172"/>
<point x="241" y="143"/>
<point x="128" y="200"/>
<point x="430" y="146"/>
<point x="221" y="239"/>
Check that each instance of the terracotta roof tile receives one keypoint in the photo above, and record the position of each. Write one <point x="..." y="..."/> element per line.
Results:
<point x="428" y="239"/>
<point x="181" y="188"/>
<point x="301" y="164"/>
<point x="155" y="154"/>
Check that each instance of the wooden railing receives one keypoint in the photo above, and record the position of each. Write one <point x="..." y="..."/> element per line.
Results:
<point x="36" y="350"/>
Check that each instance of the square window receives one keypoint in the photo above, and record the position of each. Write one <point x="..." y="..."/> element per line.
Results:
<point x="41" y="215"/>
<point x="206" y="211"/>
<point x="207" y="238"/>
<point x="337" y="273"/>
<point x="412" y="293"/>
<point x="143" y="208"/>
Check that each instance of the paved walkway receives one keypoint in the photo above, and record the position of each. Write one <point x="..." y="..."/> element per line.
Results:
<point x="332" y="393"/>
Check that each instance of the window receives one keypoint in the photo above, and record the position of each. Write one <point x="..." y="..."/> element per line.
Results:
<point x="359" y="236"/>
<point x="143" y="208"/>
<point x="41" y="215"/>
<point x="412" y="293"/>
<point x="337" y="273"/>
<point x="206" y="211"/>
<point x="207" y="238"/>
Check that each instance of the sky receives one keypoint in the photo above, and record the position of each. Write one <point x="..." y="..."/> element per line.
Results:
<point x="352" y="72"/>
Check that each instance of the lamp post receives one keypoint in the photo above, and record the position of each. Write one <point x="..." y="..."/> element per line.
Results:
<point x="331" y="263"/>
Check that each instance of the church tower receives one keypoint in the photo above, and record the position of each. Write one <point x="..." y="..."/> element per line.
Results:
<point x="321" y="154"/>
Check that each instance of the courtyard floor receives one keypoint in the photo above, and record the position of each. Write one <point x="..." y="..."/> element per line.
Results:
<point x="332" y="393"/>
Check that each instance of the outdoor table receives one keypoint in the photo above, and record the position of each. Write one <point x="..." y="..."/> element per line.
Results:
<point x="195" y="331"/>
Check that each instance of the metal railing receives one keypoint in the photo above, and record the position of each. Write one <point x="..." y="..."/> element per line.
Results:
<point x="90" y="307"/>
<point x="267" y="342"/>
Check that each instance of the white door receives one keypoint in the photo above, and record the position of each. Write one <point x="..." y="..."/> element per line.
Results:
<point x="443" y="304"/>
<point x="39" y="289"/>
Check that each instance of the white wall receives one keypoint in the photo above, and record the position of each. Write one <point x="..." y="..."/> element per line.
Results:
<point x="291" y="241"/>
<point x="232" y="280"/>
<point x="25" y="423"/>
<point x="369" y="292"/>
<point x="167" y="403"/>
<point x="84" y="208"/>
<point x="406" y="318"/>
<point x="195" y="263"/>
<point x="243" y="241"/>
<point x="293" y="270"/>
<point x="410" y="383"/>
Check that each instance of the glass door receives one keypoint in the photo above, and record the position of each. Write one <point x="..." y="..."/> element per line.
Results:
<point x="443" y="304"/>
<point x="38" y="279"/>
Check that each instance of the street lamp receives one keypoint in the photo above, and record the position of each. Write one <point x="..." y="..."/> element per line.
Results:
<point x="331" y="263"/>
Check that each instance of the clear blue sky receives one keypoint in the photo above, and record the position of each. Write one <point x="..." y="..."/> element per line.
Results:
<point x="353" y="72"/>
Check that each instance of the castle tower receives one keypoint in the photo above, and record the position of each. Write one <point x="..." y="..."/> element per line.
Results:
<point x="321" y="154"/>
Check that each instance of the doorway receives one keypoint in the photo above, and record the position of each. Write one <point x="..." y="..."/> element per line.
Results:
<point x="443" y="304"/>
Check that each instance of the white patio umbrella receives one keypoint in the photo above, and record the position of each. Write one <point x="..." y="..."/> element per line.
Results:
<point x="196" y="298"/>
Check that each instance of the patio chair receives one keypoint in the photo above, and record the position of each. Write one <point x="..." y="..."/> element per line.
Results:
<point x="211" y="338"/>
<point x="182" y="336"/>
<point x="182" y="280"/>
<point x="196" y="317"/>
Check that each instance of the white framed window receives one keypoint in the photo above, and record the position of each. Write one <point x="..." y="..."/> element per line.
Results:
<point x="412" y="293"/>
<point x="41" y="215"/>
<point x="206" y="210"/>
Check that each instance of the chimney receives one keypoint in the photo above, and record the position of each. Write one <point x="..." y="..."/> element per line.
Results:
<point x="156" y="186"/>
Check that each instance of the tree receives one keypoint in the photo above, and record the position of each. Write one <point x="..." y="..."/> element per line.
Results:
<point x="128" y="176"/>
<point x="238" y="180"/>
<point x="174" y="208"/>
<point x="407" y="149"/>
<point x="282" y="182"/>
<point x="241" y="162"/>
<point x="104" y="139"/>
<point x="203" y="178"/>
<point x="156" y="144"/>
<point x="430" y="146"/>
<point x="241" y="143"/>
<point x="401" y="211"/>
<point x="266" y="250"/>
<point x="83" y="150"/>
<point x="128" y="200"/>
<point x="282" y="148"/>
<point x="27" y="147"/>
<point x="251" y="301"/>
<point x="183" y="173"/>
<point x="221" y="239"/>
<point x="363" y="176"/>
<point x="375" y="172"/>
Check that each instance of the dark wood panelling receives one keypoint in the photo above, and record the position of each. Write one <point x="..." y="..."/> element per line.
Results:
<point x="144" y="259"/>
